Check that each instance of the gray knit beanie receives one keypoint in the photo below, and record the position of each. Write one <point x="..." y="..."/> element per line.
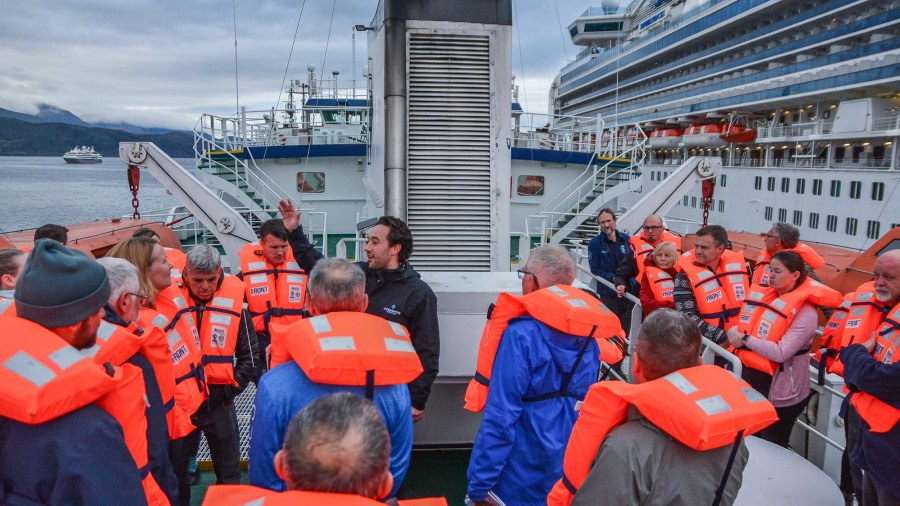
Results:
<point x="60" y="286"/>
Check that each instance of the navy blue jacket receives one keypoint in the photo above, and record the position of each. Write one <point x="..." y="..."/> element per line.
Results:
<point x="78" y="458"/>
<point x="605" y="255"/>
<point x="877" y="454"/>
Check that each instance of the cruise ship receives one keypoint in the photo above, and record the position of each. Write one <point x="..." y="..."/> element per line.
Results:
<point x="798" y="99"/>
<point x="83" y="154"/>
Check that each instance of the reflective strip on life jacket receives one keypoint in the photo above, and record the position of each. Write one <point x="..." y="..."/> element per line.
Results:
<point x="274" y="294"/>
<point x="565" y="308"/>
<point x="661" y="282"/>
<point x="864" y="317"/>
<point x="719" y="295"/>
<point x="767" y="315"/>
<point x="246" y="495"/>
<point x="42" y="377"/>
<point x="219" y="330"/>
<point x="703" y="407"/>
<point x="350" y="348"/>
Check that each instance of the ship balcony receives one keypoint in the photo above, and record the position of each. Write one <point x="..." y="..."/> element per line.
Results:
<point x="888" y="126"/>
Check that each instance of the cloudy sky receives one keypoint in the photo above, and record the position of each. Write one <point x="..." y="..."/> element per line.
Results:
<point x="164" y="63"/>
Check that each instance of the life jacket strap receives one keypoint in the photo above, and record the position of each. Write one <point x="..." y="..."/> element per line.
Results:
<point x="734" y="450"/>
<point x="564" y="388"/>
<point x="569" y="485"/>
<point x="370" y="385"/>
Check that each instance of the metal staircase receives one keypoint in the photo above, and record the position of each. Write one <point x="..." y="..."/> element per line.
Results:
<point x="613" y="170"/>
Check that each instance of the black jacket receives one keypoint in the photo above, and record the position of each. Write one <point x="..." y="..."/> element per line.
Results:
<point x="401" y="296"/>
<point x="305" y="253"/>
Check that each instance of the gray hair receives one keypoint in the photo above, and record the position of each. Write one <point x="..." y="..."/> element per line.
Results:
<point x="122" y="275"/>
<point x="337" y="285"/>
<point x="551" y="265"/>
<point x="11" y="261"/>
<point x="337" y="443"/>
<point x="203" y="258"/>
<point x="789" y="234"/>
<point x="668" y="341"/>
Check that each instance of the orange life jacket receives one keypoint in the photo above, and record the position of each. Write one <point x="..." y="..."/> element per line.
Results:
<point x="642" y="248"/>
<point x="767" y="315"/>
<point x="42" y="377"/>
<point x="219" y="329"/>
<point x="562" y="307"/>
<point x="184" y="359"/>
<point x="237" y="495"/>
<point x="177" y="259"/>
<point x="349" y="348"/>
<point x="661" y="282"/>
<point x="703" y="407"/>
<point x="761" y="272"/>
<point x="8" y="306"/>
<point x="880" y="416"/>
<point x="831" y="337"/>
<point x="128" y="403"/>
<point x="274" y="294"/>
<point x="719" y="295"/>
<point x="865" y="316"/>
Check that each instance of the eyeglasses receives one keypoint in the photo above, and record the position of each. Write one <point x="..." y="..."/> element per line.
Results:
<point x="142" y="298"/>
<point x="768" y="236"/>
<point x="651" y="228"/>
<point x="523" y="272"/>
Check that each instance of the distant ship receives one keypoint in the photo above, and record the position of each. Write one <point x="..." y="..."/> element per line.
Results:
<point x="83" y="154"/>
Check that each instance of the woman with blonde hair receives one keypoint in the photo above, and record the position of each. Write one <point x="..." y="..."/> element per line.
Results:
<point x="659" y="275"/>
<point x="154" y="271"/>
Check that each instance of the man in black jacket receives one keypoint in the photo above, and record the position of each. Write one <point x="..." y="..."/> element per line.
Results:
<point x="396" y="291"/>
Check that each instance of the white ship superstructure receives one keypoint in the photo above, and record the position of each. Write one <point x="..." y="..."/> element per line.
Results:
<point x="83" y="154"/>
<point x="798" y="99"/>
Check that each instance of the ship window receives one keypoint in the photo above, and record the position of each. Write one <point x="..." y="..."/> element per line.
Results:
<point x="855" y="187"/>
<point x="685" y="201"/>
<point x="573" y="31"/>
<point x="814" y="220"/>
<point x="785" y="184"/>
<point x="873" y="229"/>
<point x="530" y="186"/>
<point x="801" y="185"/>
<point x="770" y="184"/>
<point x="722" y="180"/>
<point x="782" y="214"/>
<point x="839" y="154"/>
<point x="817" y="186"/>
<point x="311" y="182"/>
<point x="826" y="114"/>
<point x="693" y="201"/>
<point x="757" y="183"/>
<point x="831" y="223"/>
<point x="798" y="218"/>
<point x="602" y="27"/>
<point x="795" y="118"/>
<point x="835" y="188"/>
<point x="877" y="191"/>
<point x="768" y="213"/>
<point x="850" y="228"/>
<point x="721" y="206"/>
<point x="652" y="175"/>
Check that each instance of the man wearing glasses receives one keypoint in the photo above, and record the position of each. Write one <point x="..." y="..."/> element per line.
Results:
<point x="652" y="233"/>
<point x="783" y="236"/>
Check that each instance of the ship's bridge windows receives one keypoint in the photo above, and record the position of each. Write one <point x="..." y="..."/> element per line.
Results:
<point x="801" y="186"/>
<point x="850" y="227"/>
<point x="835" y="188"/>
<point x="798" y="218"/>
<point x="782" y="214"/>
<point x="757" y="183"/>
<point x="855" y="189"/>
<point x="813" y="220"/>
<point x="311" y="182"/>
<point x="873" y="229"/>
<point x="603" y="27"/>
<point x="817" y="186"/>
<point x="785" y="184"/>
<point x="831" y="223"/>
<point x="768" y="213"/>
<point x="530" y="186"/>
<point x="878" y="191"/>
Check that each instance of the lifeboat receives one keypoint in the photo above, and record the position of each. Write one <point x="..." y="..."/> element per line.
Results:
<point x="703" y="136"/>
<point x="631" y="136"/>
<point x="665" y="138"/>
<point x="738" y="134"/>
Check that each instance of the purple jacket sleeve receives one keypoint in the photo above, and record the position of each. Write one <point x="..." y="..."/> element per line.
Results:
<point x="863" y="373"/>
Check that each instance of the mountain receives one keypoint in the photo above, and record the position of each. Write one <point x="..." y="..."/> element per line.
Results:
<point x="30" y="138"/>
<point x="51" y="114"/>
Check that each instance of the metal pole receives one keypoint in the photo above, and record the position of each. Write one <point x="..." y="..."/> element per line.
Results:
<point x="395" y="117"/>
<point x="353" y="80"/>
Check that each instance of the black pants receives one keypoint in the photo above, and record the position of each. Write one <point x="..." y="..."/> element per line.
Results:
<point x="780" y="431"/>
<point x="621" y="307"/>
<point x="221" y="429"/>
<point x="873" y="495"/>
<point x="851" y="474"/>
<point x="262" y="366"/>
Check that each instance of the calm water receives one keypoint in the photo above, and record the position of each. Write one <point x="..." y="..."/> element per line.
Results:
<point x="40" y="189"/>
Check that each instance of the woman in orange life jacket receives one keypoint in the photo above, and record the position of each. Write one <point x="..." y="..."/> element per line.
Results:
<point x="657" y="283"/>
<point x="788" y="388"/>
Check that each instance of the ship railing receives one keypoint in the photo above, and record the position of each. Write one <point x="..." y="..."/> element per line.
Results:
<point x="795" y="130"/>
<point x="888" y="123"/>
<point x="332" y="88"/>
<point x="555" y="132"/>
<point x="803" y="161"/>
<point x="263" y="128"/>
